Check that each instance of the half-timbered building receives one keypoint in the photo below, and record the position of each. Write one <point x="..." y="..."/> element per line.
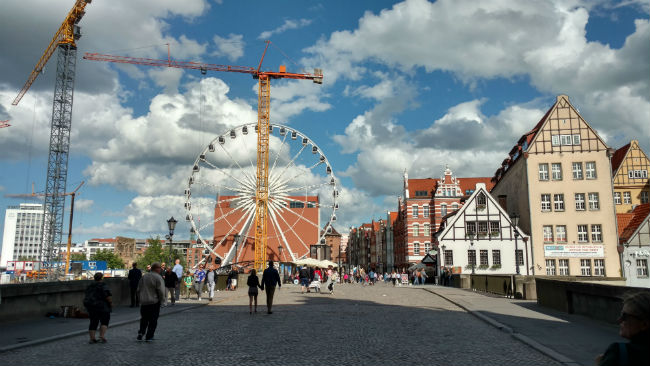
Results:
<point x="635" y="239"/>
<point x="630" y="166"/>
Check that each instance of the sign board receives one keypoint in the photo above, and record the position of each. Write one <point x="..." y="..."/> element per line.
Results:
<point x="640" y="253"/>
<point x="574" y="251"/>
<point x="405" y="279"/>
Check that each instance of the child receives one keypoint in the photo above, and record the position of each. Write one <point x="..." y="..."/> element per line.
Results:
<point x="188" y="283"/>
<point x="253" y="283"/>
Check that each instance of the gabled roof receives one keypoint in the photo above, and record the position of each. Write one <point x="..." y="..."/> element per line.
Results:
<point x="334" y="232"/>
<point x="393" y="216"/>
<point x="623" y="220"/>
<point x="640" y="215"/>
<point x="619" y="156"/>
<point x="430" y="184"/>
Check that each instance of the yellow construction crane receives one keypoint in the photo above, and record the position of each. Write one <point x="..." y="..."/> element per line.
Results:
<point x="72" y="195"/>
<point x="263" y="111"/>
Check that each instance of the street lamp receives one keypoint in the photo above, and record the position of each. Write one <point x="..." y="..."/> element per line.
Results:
<point x="514" y="217"/>
<point x="171" y="225"/>
<point x="471" y="235"/>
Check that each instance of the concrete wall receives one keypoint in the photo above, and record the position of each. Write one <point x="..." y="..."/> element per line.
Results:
<point x="32" y="300"/>
<point x="524" y="286"/>
<point x="594" y="300"/>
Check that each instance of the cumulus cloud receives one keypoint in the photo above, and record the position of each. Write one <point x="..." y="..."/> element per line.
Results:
<point x="83" y="205"/>
<point x="287" y="25"/>
<point x="231" y="47"/>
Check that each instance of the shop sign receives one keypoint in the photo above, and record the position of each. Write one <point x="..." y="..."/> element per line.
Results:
<point x="574" y="251"/>
<point x="640" y="253"/>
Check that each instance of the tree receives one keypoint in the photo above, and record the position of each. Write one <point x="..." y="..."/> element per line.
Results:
<point x="113" y="261"/>
<point x="77" y="257"/>
<point x="155" y="252"/>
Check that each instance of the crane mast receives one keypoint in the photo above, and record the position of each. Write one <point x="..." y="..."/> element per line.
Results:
<point x="263" y="118"/>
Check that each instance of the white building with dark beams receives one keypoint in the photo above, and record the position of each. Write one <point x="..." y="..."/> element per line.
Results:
<point x="481" y="234"/>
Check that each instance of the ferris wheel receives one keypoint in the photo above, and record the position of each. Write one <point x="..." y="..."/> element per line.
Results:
<point x="220" y="196"/>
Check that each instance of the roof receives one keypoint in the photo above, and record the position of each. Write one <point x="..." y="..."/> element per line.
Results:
<point x="430" y="184"/>
<point x="393" y="216"/>
<point x="640" y="214"/>
<point x="334" y="232"/>
<point x="619" y="156"/>
<point x="623" y="220"/>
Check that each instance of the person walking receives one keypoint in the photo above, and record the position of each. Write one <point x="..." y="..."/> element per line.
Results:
<point x="235" y="277"/>
<point x="304" y="279"/>
<point x="423" y="277"/>
<point x="99" y="303"/>
<point x="270" y="278"/>
<point x="199" y="277"/>
<point x="635" y="326"/>
<point x="151" y="292"/>
<point x="178" y="269"/>
<point x="134" y="278"/>
<point x="253" y="283"/>
<point x="210" y="280"/>
<point x="170" y="285"/>
<point x="187" y="280"/>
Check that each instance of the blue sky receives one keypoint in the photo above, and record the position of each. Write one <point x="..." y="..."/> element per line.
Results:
<point x="410" y="85"/>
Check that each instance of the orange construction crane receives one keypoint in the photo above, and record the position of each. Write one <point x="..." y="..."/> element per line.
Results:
<point x="263" y="107"/>
<point x="72" y="196"/>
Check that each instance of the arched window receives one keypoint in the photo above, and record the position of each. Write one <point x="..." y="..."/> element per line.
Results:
<point x="443" y="209"/>
<point x="481" y="199"/>
<point x="416" y="230"/>
<point x="416" y="248"/>
<point x="454" y="207"/>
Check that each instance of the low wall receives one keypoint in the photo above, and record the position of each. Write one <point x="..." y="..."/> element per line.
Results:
<point x="594" y="300"/>
<point x="524" y="286"/>
<point x="30" y="300"/>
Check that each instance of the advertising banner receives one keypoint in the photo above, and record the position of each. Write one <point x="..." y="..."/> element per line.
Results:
<point x="574" y="251"/>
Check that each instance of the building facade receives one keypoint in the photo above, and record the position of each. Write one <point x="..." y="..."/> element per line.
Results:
<point x="635" y="239"/>
<point x="23" y="233"/>
<point x="558" y="179"/>
<point x="630" y="167"/>
<point x="481" y="238"/>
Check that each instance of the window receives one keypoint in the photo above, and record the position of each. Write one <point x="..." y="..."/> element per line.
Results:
<point x="583" y="235"/>
<point x="519" y="254"/>
<point x="560" y="233"/>
<point x="425" y="211"/>
<point x="543" y="171"/>
<point x="427" y="247"/>
<point x="548" y="234"/>
<point x="644" y="197"/>
<point x="590" y="170"/>
<point x="470" y="227"/>
<point x="449" y="258"/>
<point x="599" y="267"/>
<point x="416" y="248"/>
<point x="427" y="230"/>
<point x="558" y="202"/>
<point x="627" y="198"/>
<point x="550" y="267"/>
<point x="637" y="174"/>
<point x="415" y="210"/>
<point x="566" y="140"/>
<point x="482" y="227"/>
<point x="556" y="171"/>
<point x="471" y="257"/>
<point x="577" y="170"/>
<point x="585" y="267"/>
<point x="564" y="267"/>
<point x="484" y="257"/>
<point x="580" y="201"/>
<point x="593" y="201"/>
<point x="454" y="206"/>
<point x="642" y="268"/>
<point x="546" y="202"/>
<point x="480" y="199"/>
<point x="496" y="257"/>
<point x="421" y="193"/>
<point x="296" y="204"/>
<point x="617" y="198"/>
<point x="494" y="227"/>
<point x="416" y="230"/>
<point x="443" y="209"/>
<point x="596" y="233"/>
<point x="555" y="140"/>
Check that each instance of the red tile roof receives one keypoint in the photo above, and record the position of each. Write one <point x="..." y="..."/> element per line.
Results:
<point x="618" y="157"/>
<point x="393" y="216"/>
<point x="623" y="220"/>
<point x="640" y="214"/>
<point x="430" y="184"/>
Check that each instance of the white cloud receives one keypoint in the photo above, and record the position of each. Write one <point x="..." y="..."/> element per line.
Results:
<point x="83" y="205"/>
<point x="287" y="25"/>
<point x="231" y="47"/>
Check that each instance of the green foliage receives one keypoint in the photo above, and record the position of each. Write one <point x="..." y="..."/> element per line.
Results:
<point x="156" y="252"/>
<point x="483" y="266"/>
<point x="77" y="257"/>
<point x="113" y="261"/>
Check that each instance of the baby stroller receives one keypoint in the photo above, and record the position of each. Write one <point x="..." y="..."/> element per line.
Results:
<point x="315" y="284"/>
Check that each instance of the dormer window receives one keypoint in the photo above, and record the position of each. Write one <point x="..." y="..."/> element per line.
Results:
<point x="481" y="200"/>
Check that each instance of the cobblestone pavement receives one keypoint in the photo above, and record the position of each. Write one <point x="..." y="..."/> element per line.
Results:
<point x="357" y="325"/>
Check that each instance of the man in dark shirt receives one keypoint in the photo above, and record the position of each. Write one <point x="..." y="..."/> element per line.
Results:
<point x="134" y="278"/>
<point x="270" y="278"/>
<point x="170" y="285"/>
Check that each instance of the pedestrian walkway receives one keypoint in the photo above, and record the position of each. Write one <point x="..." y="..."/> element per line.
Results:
<point x="576" y="339"/>
<point x="24" y="333"/>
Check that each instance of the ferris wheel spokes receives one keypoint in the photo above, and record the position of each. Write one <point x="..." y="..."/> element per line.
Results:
<point x="289" y="164"/>
<point x="277" y="156"/>
<point x="292" y="230"/>
<point x="229" y="175"/>
<point x="284" y="239"/>
<point x="237" y="163"/>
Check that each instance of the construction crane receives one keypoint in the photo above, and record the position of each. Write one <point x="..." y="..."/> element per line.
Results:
<point x="263" y="109"/>
<point x="4" y="124"/>
<point x="72" y="194"/>
<point x="57" y="163"/>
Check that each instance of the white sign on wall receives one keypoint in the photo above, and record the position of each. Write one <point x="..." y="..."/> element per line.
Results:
<point x="574" y="251"/>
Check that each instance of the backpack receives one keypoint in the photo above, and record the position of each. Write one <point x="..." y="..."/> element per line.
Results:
<point x="93" y="297"/>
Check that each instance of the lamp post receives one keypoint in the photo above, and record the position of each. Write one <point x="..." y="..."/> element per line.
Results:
<point x="471" y="235"/>
<point x="171" y="225"/>
<point x="284" y="272"/>
<point x="514" y="217"/>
